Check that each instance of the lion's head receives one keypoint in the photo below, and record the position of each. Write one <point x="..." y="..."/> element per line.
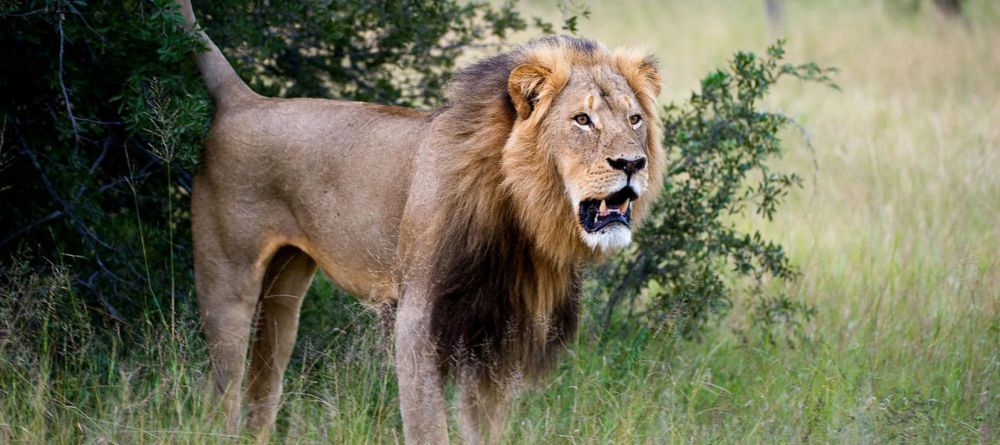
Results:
<point x="583" y="159"/>
<point x="552" y="156"/>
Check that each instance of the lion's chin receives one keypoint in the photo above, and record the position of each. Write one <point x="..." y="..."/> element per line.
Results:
<point x="609" y="238"/>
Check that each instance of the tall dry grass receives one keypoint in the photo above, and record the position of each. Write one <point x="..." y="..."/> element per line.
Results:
<point x="896" y="232"/>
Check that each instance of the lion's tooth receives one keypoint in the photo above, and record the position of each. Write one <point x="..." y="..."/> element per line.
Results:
<point x="604" y="208"/>
<point x="624" y="206"/>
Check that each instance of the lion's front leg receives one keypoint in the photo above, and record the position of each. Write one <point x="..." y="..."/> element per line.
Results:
<point x="484" y="404"/>
<point x="421" y="389"/>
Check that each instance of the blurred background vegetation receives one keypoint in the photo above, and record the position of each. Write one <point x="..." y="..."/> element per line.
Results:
<point x="879" y="223"/>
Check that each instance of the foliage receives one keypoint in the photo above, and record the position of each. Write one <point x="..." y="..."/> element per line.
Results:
<point x="103" y="115"/>
<point x="720" y="144"/>
<point x="395" y="52"/>
<point x="37" y="308"/>
<point x="897" y="248"/>
<point x="106" y="114"/>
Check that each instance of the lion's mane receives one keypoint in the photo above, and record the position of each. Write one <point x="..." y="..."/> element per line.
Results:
<point x="506" y="294"/>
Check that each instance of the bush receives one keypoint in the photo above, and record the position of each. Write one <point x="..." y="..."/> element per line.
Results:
<point x="103" y="115"/>
<point x="720" y="144"/>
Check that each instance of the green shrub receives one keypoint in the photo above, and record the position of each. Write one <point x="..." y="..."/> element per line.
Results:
<point x="103" y="114"/>
<point x="720" y="145"/>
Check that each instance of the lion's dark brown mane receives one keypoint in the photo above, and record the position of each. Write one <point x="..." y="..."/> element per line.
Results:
<point x="500" y="304"/>
<point x="482" y="315"/>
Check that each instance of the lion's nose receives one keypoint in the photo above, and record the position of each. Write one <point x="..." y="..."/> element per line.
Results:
<point x="628" y="166"/>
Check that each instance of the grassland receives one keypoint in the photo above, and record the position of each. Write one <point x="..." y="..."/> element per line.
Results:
<point x="896" y="232"/>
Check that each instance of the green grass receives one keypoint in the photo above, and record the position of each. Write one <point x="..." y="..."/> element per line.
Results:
<point x="896" y="233"/>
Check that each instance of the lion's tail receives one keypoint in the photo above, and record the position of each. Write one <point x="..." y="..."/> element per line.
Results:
<point x="223" y="83"/>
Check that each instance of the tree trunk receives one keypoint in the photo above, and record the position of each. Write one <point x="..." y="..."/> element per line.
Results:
<point x="951" y="8"/>
<point x="775" y="10"/>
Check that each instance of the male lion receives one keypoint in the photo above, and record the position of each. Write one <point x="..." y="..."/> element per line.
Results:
<point x="473" y="220"/>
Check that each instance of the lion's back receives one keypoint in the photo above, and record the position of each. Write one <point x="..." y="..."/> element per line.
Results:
<point x="335" y="175"/>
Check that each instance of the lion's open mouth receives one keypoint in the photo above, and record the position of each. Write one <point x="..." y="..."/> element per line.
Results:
<point x="616" y="208"/>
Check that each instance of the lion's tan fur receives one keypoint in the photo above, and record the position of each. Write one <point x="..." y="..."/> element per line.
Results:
<point x="451" y="216"/>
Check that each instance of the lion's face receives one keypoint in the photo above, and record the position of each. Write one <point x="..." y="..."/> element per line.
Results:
<point x="598" y="133"/>
<point x="583" y="161"/>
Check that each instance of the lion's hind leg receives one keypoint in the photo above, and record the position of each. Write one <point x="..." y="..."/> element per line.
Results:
<point x="229" y="269"/>
<point x="286" y="281"/>
<point x="227" y="298"/>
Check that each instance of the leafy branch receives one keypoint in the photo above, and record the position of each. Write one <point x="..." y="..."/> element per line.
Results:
<point x="720" y="144"/>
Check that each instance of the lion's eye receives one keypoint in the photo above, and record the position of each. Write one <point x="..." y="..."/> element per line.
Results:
<point x="582" y="119"/>
<point x="635" y="119"/>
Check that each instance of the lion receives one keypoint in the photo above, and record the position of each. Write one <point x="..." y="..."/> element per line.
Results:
<point x="472" y="221"/>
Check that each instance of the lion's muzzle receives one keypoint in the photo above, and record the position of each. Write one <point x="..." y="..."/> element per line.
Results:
<point x="600" y="213"/>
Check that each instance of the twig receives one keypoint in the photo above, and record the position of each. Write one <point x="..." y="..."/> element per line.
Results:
<point x="4" y="156"/>
<point x="66" y="207"/>
<point x="104" y="301"/>
<point x="104" y="151"/>
<point x="97" y="121"/>
<point x="83" y="19"/>
<point x="807" y="139"/>
<point x="30" y="227"/>
<point x="23" y="14"/>
<point x="619" y="291"/>
<point x="121" y="180"/>
<point x="56" y="214"/>
<point x="111" y="274"/>
<point x="62" y="82"/>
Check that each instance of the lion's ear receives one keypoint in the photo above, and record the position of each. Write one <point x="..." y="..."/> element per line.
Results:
<point x="525" y="85"/>
<point x="640" y="72"/>
<point x="650" y="75"/>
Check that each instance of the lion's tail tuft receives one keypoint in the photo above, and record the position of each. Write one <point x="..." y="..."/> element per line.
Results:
<point x="223" y="83"/>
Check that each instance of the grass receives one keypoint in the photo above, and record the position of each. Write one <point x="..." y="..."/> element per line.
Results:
<point x="896" y="233"/>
